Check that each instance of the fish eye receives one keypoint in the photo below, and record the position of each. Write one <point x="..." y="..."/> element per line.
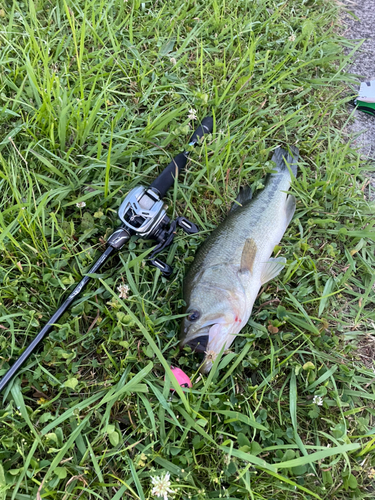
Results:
<point x="193" y="316"/>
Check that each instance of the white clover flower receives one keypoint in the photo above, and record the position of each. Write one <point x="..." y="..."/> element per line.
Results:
<point x="318" y="400"/>
<point x="81" y="204"/>
<point x="173" y="61"/>
<point x="124" y="291"/>
<point x="161" y="486"/>
<point x="192" y="114"/>
<point x="292" y="37"/>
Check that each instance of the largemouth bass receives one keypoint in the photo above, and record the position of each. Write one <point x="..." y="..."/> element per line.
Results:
<point x="235" y="261"/>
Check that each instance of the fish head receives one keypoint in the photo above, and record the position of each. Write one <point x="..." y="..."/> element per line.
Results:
<point x="212" y="322"/>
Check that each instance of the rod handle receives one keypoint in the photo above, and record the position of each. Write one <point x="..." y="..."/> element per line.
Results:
<point x="206" y="127"/>
<point x="167" y="177"/>
<point x="171" y="171"/>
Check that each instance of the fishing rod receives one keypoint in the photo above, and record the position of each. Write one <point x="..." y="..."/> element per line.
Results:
<point x="142" y="213"/>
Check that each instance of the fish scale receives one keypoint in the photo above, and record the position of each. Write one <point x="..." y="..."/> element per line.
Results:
<point x="233" y="263"/>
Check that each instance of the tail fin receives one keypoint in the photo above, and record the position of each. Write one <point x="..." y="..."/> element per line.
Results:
<point x="282" y="158"/>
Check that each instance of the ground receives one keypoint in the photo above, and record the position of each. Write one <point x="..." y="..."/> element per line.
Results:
<point x="359" y="23"/>
<point x="96" y="97"/>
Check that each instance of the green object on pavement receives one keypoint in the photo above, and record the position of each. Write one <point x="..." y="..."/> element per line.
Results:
<point x="366" y="107"/>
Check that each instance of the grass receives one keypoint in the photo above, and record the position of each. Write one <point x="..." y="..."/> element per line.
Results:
<point x="95" y="98"/>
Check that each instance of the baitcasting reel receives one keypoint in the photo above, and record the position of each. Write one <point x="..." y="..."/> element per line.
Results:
<point x="143" y="213"/>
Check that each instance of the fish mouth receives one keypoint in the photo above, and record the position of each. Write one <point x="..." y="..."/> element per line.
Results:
<point x="198" y="344"/>
<point x="198" y="340"/>
<point x="209" y="341"/>
<point x="210" y="338"/>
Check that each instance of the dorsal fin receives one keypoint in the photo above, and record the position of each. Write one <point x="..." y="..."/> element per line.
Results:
<point x="244" y="195"/>
<point x="248" y="255"/>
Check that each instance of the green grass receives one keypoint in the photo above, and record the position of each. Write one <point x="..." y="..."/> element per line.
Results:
<point x="94" y="100"/>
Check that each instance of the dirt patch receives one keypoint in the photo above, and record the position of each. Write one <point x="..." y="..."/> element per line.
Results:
<point x="366" y="352"/>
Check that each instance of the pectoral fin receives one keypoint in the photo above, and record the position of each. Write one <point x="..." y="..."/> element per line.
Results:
<point x="290" y="208"/>
<point x="248" y="255"/>
<point x="272" y="268"/>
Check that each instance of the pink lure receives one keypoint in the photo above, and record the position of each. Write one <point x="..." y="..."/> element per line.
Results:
<point x="181" y="378"/>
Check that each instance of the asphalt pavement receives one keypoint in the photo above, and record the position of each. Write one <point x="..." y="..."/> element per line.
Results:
<point x="360" y="27"/>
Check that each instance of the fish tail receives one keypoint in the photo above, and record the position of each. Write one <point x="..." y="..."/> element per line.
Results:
<point x="283" y="158"/>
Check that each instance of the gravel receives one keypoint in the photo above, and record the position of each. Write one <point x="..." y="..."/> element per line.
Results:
<point x="364" y="67"/>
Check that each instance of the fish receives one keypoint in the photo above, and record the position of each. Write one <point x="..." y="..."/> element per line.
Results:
<point x="234" y="262"/>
